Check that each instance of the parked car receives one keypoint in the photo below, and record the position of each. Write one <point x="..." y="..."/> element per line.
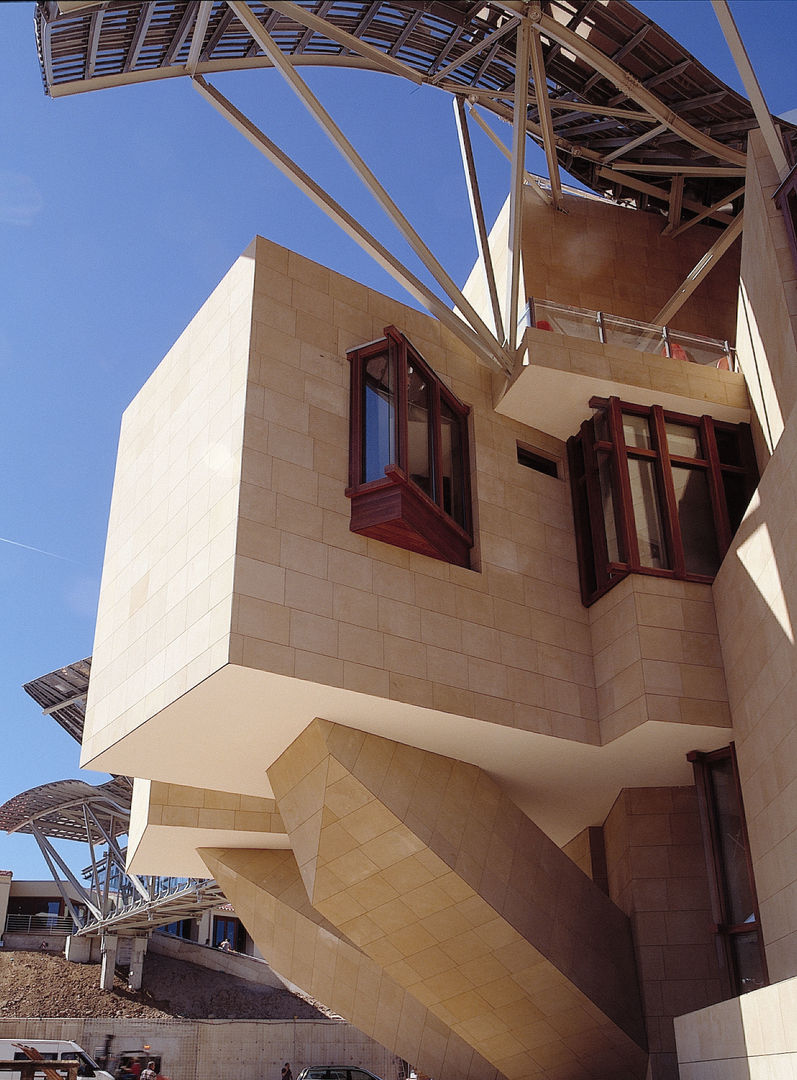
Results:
<point x="336" y="1072"/>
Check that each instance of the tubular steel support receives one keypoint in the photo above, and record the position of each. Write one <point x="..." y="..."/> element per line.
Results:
<point x="477" y="211"/>
<point x="344" y="146"/>
<point x="516" y="184"/>
<point x="544" y="107"/>
<point x="488" y="351"/>
<point x="700" y="271"/>
<point x="113" y="849"/>
<point x="51" y="856"/>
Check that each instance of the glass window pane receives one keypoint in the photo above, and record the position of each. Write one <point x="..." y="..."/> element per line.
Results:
<point x="696" y="518"/>
<point x="607" y="499"/>
<point x="728" y="446"/>
<point x="453" y="466"/>
<point x="418" y="450"/>
<point x="732" y="846"/>
<point x="652" y="549"/>
<point x="683" y="440"/>
<point x="747" y="961"/>
<point x="379" y="413"/>
<point x="737" y="496"/>
<point x="636" y="431"/>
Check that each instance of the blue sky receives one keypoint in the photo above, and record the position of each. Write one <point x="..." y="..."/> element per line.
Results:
<point x="119" y="212"/>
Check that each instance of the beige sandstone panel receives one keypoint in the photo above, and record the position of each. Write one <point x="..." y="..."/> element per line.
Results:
<point x="657" y="875"/>
<point x="756" y="598"/>
<point x="767" y="320"/>
<point x="269" y="896"/>
<point x="169" y="822"/>
<point x="425" y="864"/>
<point x="658" y="658"/>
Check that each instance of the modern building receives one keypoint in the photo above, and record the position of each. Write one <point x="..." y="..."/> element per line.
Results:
<point x="468" y="671"/>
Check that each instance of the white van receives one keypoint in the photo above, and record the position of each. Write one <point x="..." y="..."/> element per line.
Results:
<point x="50" y="1050"/>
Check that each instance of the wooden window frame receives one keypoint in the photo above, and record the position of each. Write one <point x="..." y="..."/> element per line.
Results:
<point x="393" y="508"/>
<point x="591" y="447"/>
<point x="720" y="902"/>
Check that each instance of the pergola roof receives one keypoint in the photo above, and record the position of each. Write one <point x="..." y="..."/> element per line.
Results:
<point x="62" y="695"/>
<point x="56" y="809"/>
<point x="614" y="78"/>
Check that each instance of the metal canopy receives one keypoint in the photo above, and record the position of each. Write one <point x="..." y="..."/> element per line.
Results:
<point x="56" y="809"/>
<point x="619" y="88"/>
<point x="112" y="900"/>
<point x="62" y="695"/>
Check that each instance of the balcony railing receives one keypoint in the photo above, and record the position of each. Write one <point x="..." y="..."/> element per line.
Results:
<point x="615" y="330"/>
<point x="39" y="924"/>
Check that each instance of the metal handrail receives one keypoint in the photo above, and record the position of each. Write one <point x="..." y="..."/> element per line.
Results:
<point x="616" y="329"/>
<point x="39" y="924"/>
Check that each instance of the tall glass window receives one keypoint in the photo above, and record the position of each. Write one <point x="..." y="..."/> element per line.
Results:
<point x="733" y="895"/>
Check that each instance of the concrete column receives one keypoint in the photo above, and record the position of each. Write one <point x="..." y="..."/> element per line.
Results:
<point x="109" y="946"/>
<point x="137" y="953"/>
<point x="78" y="949"/>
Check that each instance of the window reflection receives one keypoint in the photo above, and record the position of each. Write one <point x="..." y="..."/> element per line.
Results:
<point x="379" y="410"/>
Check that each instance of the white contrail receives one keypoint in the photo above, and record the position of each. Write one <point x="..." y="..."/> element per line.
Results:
<point x="40" y="551"/>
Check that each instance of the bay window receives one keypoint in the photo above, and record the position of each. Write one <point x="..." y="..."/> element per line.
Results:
<point x="408" y="465"/>
<point x="656" y="492"/>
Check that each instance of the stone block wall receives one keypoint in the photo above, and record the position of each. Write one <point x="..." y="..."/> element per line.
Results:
<point x="657" y="875"/>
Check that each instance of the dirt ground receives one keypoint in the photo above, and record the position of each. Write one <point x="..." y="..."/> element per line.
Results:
<point x="39" y="984"/>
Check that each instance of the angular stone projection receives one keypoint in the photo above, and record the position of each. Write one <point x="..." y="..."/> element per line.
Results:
<point x="426" y="865"/>
<point x="268" y="894"/>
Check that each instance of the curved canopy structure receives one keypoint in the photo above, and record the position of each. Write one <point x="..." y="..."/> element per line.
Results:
<point x="56" y="809"/>
<point x="624" y="98"/>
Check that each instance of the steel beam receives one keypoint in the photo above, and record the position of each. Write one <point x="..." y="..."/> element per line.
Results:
<point x="530" y="180"/>
<point x="144" y="18"/>
<point x="700" y="271"/>
<point x="474" y="50"/>
<point x="751" y="85"/>
<point x="626" y="148"/>
<point x="312" y="21"/>
<point x="515" y="254"/>
<point x="116" y="853"/>
<point x="51" y="856"/>
<point x="543" y="105"/>
<point x="708" y="211"/>
<point x="676" y="203"/>
<point x="344" y="146"/>
<point x="477" y="211"/>
<point x="634" y="89"/>
<point x="483" y="349"/>
<point x="659" y="193"/>
<point x="198" y="37"/>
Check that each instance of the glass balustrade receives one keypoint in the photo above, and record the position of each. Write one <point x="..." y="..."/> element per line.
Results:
<point x="632" y="333"/>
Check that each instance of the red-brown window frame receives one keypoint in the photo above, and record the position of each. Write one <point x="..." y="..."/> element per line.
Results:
<point x="724" y="929"/>
<point x="393" y="508"/>
<point x="599" y="573"/>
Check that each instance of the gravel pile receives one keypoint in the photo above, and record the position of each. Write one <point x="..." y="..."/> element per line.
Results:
<point x="39" y="984"/>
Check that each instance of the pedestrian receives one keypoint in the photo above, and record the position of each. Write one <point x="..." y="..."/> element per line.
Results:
<point x="149" y="1073"/>
<point x="286" y="1071"/>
